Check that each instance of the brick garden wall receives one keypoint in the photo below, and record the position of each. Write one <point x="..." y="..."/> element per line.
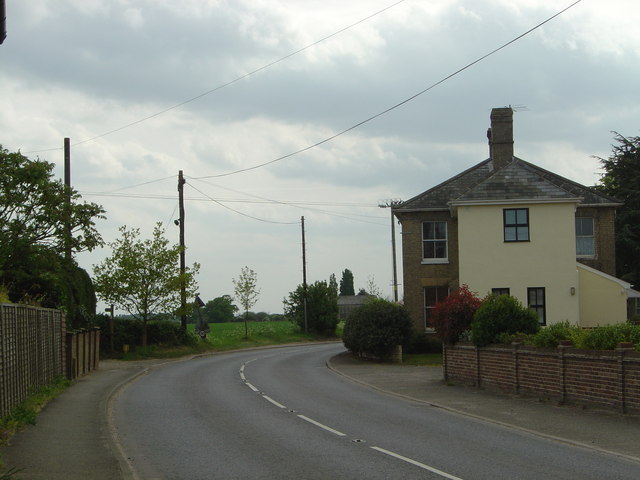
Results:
<point x="609" y="379"/>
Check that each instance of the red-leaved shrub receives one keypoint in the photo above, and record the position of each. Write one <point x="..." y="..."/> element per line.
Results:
<point x="453" y="315"/>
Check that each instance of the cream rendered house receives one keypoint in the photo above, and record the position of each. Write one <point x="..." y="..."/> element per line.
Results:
<point x="509" y="227"/>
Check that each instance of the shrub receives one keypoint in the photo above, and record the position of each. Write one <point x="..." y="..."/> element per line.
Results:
<point x="423" y="343"/>
<point x="608" y="337"/>
<point x="453" y="315"/>
<point x="128" y="331"/>
<point x="552" y="335"/>
<point x="376" y="327"/>
<point x="501" y="314"/>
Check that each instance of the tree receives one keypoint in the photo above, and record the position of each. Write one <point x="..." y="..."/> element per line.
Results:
<point x="621" y="180"/>
<point x="143" y="276"/>
<point x="33" y="210"/>
<point x="454" y="315"/>
<point x="220" y="309"/>
<point x="346" y="283"/>
<point x="39" y="218"/>
<point x="372" y="288"/>
<point x="322" y="307"/>
<point x="247" y="292"/>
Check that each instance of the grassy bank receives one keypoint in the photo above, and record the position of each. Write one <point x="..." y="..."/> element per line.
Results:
<point x="231" y="336"/>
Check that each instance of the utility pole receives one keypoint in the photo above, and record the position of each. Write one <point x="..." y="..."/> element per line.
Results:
<point x="391" y="203"/>
<point x="67" y="182"/>
<point x="183" y="288"/>
<point x="304" y="276"/>
<point x="111" y="343"/>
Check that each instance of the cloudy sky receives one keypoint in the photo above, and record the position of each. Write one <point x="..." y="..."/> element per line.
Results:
<point x="145" y="88"/>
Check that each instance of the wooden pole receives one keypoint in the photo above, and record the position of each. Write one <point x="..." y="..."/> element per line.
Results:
<point x="183" y="290"/>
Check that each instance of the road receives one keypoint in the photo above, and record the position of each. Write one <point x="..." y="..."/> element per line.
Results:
<point x="281" y="413"/>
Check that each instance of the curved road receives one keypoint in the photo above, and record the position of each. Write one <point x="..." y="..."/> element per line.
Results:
<point x="282" y="414"/>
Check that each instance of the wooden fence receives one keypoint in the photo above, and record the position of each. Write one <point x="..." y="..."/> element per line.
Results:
<point x="602" y="378"/>
<point x="35" y="349"/>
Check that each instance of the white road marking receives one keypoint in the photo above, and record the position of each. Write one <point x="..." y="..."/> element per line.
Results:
<point x="279" y="405"/>
<point x="318" y="424"/>
<point x="417" y="464"/>
<point x="252" y="387"/>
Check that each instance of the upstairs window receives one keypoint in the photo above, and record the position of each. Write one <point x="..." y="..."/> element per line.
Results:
<point x="516" y="224"/>
<point x="585" y="243"/>
<point x="434" y="242"/>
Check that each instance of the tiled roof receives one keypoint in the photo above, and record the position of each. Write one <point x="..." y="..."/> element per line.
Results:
<point x="518" y="180"/>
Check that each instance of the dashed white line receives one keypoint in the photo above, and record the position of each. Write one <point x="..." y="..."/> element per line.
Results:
<point x="318" y="424"/>
<point x="417" y="464"/>
<point x="268" y="398"/>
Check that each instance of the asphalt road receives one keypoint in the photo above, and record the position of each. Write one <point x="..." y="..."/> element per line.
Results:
<point x="280" y="413"/>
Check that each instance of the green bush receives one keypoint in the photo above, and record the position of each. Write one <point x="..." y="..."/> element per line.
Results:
<point x="608" y="337"/>
<point x="552" y="335"/>
<point x="376" y="327"/>
<point x="501" y="314"/>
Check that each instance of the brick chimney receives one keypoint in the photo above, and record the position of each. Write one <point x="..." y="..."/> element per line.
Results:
<point x="500" y="137"/>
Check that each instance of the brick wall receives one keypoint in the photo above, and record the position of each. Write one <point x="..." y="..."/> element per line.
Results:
<point x="604" y="234"/>
<point x="609" y="379"/>
<point x="416" y="276"/>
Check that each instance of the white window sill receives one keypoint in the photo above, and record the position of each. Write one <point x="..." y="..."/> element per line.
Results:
<point x="434" y="261"/>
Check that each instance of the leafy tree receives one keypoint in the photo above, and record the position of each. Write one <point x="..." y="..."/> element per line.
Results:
<point x="376" y="327"/>
<point x="322" y="307"/>
<point x="220" y="309"/>
<point x="622" y="181"/>
<point x="33" y="210"/>
<point x="453" y="315"/>
<point x="501" y="314"/>
<point x="247" y="292"/>
<point x="346" y="283"/>
<point x="36" y="224"/>
<point x="143" y="276"/>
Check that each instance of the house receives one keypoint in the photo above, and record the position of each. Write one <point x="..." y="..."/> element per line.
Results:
<point x="348" y="303"/>
<point x="508" y="226"/>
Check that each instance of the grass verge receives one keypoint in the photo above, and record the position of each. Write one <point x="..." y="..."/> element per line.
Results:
<point x="230" y="336"/>
<point x="426" y="359"/>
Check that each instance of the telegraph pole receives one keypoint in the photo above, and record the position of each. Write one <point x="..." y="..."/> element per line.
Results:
<point x="67" y="182"/>
<point x="183" y="288"/>
<point x="304" y="276"/>
<point x="391" y="204"/>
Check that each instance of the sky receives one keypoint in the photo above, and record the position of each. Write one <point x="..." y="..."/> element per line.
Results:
<point x="278" y="110"/>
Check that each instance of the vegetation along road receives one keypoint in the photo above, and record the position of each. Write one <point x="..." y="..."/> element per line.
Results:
<point x="281" y="413"/>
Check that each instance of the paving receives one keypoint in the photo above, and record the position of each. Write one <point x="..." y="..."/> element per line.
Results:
<point x="72" y="438"/>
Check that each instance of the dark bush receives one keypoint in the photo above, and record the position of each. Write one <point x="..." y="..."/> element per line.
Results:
<point x="128" y="331"/>
<point x="501" y="314"/>
<point x="423" y="343"/>
<point x="376" y="327"/>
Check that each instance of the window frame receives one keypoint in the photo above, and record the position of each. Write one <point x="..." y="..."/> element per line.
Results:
<point x="516" y="226"/>
<point x="501" y="291"/>
<point x="542" y="319"/>
<point x="427" y="308"/>
<point x="434" y="241"/>
<point x="592" y="237"/>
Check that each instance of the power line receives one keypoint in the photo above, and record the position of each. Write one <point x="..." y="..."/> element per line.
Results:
<point x="231" y="82"/>
<point x="241" y="213"/>
<point x="397" y="105"/>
